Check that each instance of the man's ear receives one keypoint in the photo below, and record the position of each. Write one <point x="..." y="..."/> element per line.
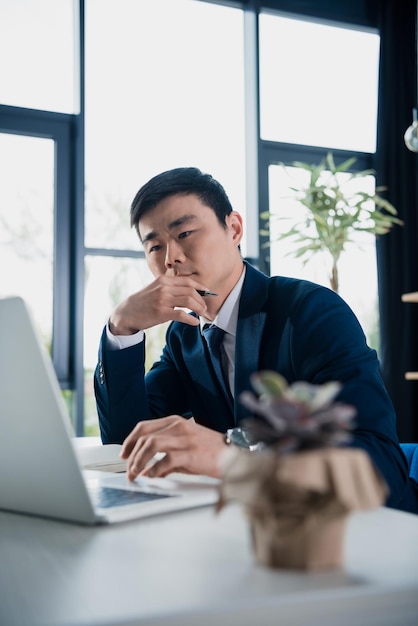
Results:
<point x="235" y="225"/>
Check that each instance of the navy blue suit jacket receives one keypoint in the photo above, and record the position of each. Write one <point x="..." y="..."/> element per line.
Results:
<point x="301" y="330"/>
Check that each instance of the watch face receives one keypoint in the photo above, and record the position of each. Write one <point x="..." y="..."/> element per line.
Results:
<point x="241" y="438"/>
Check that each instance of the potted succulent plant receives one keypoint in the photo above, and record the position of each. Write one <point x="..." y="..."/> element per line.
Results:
<point x="334" y="213"/>
<point x="296" y="483"/>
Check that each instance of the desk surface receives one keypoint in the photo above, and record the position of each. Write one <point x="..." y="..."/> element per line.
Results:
<point x="196" y="568"/>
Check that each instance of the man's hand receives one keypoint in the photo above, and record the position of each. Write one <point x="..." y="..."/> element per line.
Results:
<point x="161" y="301"/>
<point x="189" y="448"/>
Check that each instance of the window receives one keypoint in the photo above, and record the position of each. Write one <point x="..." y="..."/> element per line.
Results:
<point x="318" y="83"/>
<point x="178" y="101"/>
<point x="159" y="97"/>
<point x="27" y="225"/>
<point x="164" y="87"/>
<point x="37" y="39"/>
<point x="357" y="264"/>
<point x="315" y="97"/>
<point x="35" y="213"/>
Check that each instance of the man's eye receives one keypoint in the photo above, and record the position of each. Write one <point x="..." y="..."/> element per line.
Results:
<point x="185" y="234"/>
<point x="154" y="248"/>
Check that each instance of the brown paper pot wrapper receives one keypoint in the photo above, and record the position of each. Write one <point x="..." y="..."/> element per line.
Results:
<point x="298" y="505"/>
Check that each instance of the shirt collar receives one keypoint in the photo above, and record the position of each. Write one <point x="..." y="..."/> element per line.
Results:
<point x="228" y="313"/>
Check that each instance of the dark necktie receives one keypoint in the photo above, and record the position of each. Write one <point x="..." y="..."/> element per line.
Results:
<point x="214" y="337"/>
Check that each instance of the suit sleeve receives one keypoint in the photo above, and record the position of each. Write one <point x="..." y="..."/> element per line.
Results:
<point x="119" y="389"/>
<point x="125" y="395"/>
<point x="327" y="343"/>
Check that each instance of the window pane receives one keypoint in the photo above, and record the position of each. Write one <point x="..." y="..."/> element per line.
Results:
<point x="318" y="84"/>
<point x="357" y="266"/>
<point x="37" y="48"/>
<point x="108" y="281"/>
<point x="164" y="88"/>
<point x="26" y="224"/>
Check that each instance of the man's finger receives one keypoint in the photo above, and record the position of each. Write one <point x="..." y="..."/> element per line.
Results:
<point x="175" y="461"/>
<point x="146" y="448"/>
<point x="146" y="427"/>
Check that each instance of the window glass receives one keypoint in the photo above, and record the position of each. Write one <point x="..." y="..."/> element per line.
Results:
<point x="37" y="49"/>
<point x="26" y="225"/>
<point x="164" y="89"/>
<point x="357" y="265"/>
<point x="109" y="280"/>
<point x="318" y="84"/>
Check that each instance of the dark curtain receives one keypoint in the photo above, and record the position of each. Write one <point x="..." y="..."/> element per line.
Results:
<point x="397" y="169"/>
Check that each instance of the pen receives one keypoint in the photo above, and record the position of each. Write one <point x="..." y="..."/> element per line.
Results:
<point x="202" y="292"/>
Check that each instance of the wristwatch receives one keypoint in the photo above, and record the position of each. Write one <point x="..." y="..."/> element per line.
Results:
<point x="239" y="437"/>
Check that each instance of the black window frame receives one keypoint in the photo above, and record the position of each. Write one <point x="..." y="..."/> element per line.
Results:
<point x="59" y="128"/>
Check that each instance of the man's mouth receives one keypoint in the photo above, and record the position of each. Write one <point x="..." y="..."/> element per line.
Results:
<point x="183" y="274"/>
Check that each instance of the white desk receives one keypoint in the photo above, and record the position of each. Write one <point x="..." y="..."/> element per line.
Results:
<point x="196" y="569"/>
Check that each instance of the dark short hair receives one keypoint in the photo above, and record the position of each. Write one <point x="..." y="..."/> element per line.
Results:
<point x="181" y="180"/>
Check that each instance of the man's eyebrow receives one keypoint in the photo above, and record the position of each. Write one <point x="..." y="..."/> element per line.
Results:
<point x="151" y="235"/>
<point x="184" y="219"/>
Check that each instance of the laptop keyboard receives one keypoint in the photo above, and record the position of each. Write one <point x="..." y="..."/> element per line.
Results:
<point x="106" y="497"/>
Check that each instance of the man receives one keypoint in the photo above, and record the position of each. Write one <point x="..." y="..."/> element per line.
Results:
<point x="191" y="237"/>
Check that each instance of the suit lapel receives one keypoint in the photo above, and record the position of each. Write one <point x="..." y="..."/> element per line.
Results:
<point x="250" y="327"/>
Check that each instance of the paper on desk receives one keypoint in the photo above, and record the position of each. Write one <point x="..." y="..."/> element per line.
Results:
<point x="106" y="458"/>
<point x="101" y="457"/>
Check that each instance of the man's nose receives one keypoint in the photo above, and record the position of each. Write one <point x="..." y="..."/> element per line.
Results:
<point x="174" y="254"/>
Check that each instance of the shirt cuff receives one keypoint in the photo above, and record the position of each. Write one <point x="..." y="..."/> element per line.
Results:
<point x="119" y="342"/>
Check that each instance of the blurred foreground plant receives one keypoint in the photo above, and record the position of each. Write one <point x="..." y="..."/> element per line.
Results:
<point x="295" y="417"/>
<point x="297" y="504"/>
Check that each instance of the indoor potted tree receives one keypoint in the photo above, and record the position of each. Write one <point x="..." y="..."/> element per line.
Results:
<point x="334" y="213"/>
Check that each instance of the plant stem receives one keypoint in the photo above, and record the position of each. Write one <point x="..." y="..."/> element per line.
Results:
<point x="334" y="277"/>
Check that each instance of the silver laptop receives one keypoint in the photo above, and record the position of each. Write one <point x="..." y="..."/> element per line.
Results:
<point x="39" y="470"/>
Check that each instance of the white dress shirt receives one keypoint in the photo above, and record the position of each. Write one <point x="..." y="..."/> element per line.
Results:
<point x="227" y="320"/>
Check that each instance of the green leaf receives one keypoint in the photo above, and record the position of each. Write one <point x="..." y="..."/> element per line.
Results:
<point x="334" y="212"/>
<point x="269" y="383"/>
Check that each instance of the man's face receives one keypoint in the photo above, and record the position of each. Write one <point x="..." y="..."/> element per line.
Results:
<point x="182" y="236"/>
